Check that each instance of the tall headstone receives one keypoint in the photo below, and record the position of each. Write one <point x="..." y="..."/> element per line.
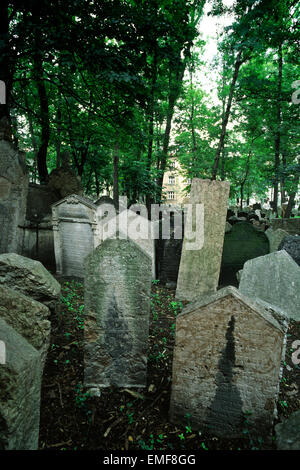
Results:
<point x="117" y="305"/>
<point x="74" y="225"/>
<point x="20" y="392"/>
<point x="273" y="278"/>
<point x="13" y="193"/>
<point x="200" y="267"/>
<point x="227" y="364"/>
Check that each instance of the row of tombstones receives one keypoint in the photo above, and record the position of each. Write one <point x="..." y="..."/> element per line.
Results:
<point x="229" y="345"/>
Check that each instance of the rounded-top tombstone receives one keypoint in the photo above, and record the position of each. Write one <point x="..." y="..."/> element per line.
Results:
<point x="242" y="243"/>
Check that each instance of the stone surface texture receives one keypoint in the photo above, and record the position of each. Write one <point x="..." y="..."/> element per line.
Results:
<point x="14" y="181"/>
<point x="200" y="269"/>
<point x="275" y="237"/>
<point x="117" y="306"/>
<point x="74" y="226"/>
<point x="31" y="278"/>
<point x="28" y="317"/>
<point x="20" y="392"/>
<point x="227" y="363"/>
<point x="291" y="244"/>
<point x="275" y="279"/>
<point x="288" y="433"/>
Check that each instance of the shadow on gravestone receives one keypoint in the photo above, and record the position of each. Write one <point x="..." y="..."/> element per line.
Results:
<point x="242" y="243"/>
<point x="226" y="410"/>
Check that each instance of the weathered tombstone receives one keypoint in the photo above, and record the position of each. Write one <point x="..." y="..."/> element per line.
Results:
<point x="64" y="181"/>
<point x="13" y="193"/>
<point x="292" y="246"/>
<point x="28" y="317"/>
<point x="273" y="278"/>
<point x="242" y="243"/>
<point x="128" y="224"/>
<point x="117" y="305"/>
<point x="30" y="278"/>
<point x="275" y="237"/>
<point x="20" y="386"/>
<point x="292" y="226"/>
<point x="170" y="261"/>
<point x="37" y="237"/>
<point x="74" y="225"/>
<point x="227" y="364"/>
<point x="200" y="266"/>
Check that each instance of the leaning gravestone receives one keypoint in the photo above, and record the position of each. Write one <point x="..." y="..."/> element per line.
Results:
<point x="242" y="243"/>
<point x="20" y="392"/>
<point x="74" y="226"/>
<point x="275" y="237"/>
<point x="291" y="244"/>
<point x="273" y="278"/>
<point x="201" y="260"/>
<point x="227" y="364"/>
<point x="117" y="303"/>
<point x="28" y="317"/>
<point x="13" y="194"/>
<point x="31" y="278"/>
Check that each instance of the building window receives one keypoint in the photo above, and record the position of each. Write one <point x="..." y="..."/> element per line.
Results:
<point x="189" y="181"/>
<point x="171" y="179"/>
<point x="171" y="195"/>
<point x="173" y="164"/>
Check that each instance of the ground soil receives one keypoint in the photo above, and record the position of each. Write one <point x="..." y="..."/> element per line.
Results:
<point x="124" y="419"/>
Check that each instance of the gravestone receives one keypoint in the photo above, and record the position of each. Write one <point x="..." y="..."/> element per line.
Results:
<point x="28" y="317"/>
<point x="20" y="392"/>
<point x="74" y="225"/>
<point x="275" y="237"/>
<point x="64" y="181"/>
<point x="242" y="243"/>
<point x="30" y="278"/>
<point x="170" y="261"/>
<point x="199" y="268"/>
<point x="13" y="194"/>
<point x="227" y="365"/>
<point x="125" y="225"/>
<point x="273" y="278"/>
<point x="117" y="305"/>
<point x="291" y="244"/>
<point x="37" y="236"/>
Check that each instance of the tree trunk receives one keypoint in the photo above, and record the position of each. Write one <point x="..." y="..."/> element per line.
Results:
<point x="58" y="137"/>
<point x="5" y="59"/>
<point x="116" y="173"/>
<point x="174" y="91"/>
<point x="225" y="120"/>
<point x="44" y="119"/>
<point x="278" y="131"/>
<point x="292" y="197"/>
<point x="151" y="126"/>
